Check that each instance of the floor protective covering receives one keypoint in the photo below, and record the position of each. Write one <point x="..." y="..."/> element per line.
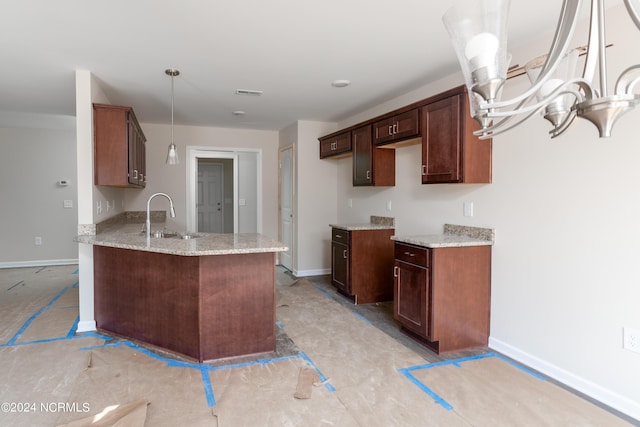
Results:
<point x="332" y="368"/>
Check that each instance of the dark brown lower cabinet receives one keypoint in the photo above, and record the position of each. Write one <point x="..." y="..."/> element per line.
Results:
<point x="362" y="264"/>
<point x="202" y="307"/>
<point x="442" y="296"/>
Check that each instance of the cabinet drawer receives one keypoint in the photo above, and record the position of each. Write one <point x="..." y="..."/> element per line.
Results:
<point x="340" y="236"/>
<point x="412" y="254"/>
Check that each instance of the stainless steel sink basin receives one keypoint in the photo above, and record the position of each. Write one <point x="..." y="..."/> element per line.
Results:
<point x="161" y="234"/>
<point x="187" y="236"/>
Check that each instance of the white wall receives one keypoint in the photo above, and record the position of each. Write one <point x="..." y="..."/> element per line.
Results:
<point x="172" y="179"/>
<point x="564" y="279"/>
<point x="316" y="196"/>
<point x="32" y="161"/>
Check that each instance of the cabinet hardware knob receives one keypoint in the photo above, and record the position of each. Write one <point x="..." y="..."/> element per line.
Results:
<point x="424" y="170"/>
<point x="395" y="128"/>
<point x="395" y="271"/>
<point x="135" y="174"/>
<point x="409" y="253"/>
<point x="344" y="254"/>
<point x="338" y="236"/>
<point x="368" y="174"/>
<point x="390" y="130"/>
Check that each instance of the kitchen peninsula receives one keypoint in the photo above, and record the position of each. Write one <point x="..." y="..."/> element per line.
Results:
<point x="208" y="297"/>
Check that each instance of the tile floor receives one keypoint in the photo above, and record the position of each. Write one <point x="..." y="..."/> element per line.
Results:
<point x="370" y="373"/>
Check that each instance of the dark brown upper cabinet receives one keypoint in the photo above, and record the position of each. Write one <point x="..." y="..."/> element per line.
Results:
<point x="371" y="166"/>
<point x="402" y="126"/>
<point x="119" y="147"/>
<point x="450" y="151"/>
<point x="335" y="145"/>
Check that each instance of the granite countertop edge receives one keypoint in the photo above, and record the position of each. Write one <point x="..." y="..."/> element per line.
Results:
<point x="453" y="236"/>
<point x="130" y="237"/>
<point x="363" y="226"/>
<point x="441" y="241"/>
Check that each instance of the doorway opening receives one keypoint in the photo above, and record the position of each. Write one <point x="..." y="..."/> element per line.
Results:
<point x="215" y="195"/>
<point x="225" y="179"/>
<point x="286" y="206"/>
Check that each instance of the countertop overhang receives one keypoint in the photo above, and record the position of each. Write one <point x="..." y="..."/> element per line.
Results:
<point x="130" y="237"/>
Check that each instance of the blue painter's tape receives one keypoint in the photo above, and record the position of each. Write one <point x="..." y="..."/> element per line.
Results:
<point x="326" y="294"/>
<point x="92" y="335"/>
<point x="208" y="388"/>
<point x="323" y="292"/>
<point x="522" y="368"/>
<point x="439" y="400"/>
<point x="364" y="319"/>
<point x="73" y="328"/>
<point x="278" y="324"/>
<point x="19" y="283"/>
<point x="75" y="285"/>
<point x="32" y="318"/>
<point x="76" y="272"/>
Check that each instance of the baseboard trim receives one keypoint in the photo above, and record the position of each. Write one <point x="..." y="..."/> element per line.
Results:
<point x="307" y="273"/>
<point x="86" y="326"/>
<point x="590" y="389"/>
<point x="38" y="263"/>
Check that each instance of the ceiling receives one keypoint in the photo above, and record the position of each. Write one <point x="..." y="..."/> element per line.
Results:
<point x="290" y="49"/>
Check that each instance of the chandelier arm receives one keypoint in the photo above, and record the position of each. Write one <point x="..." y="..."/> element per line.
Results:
<point x="565" y="88"/>
<point x="566" y="26"/>
<point x="624" y="84"/>
<point x="591" y="62"/>
<point x="633" y="13"/>
<point x="497" y="128"/>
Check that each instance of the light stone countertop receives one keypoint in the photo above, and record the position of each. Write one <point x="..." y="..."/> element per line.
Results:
<point x="376" y="223"/>
<point x="454" y="236"/>
<point x="129" y="236"/>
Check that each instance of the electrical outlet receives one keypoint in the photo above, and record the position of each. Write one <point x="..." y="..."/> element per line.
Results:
<point x="37" y="241"/>
<point x="467" y="208"/>
<point x="631" y="339"/>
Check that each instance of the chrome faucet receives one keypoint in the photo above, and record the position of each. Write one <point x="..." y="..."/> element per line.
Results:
<point x="172" y="212"/>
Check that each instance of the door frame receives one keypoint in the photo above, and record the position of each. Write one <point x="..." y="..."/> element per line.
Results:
<point x="294" y="196"/>
<point x="193" y="154"/>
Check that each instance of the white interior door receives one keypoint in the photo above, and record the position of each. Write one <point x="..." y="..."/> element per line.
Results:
<point x="210" y="198"/>
<point x="287" y="218"/>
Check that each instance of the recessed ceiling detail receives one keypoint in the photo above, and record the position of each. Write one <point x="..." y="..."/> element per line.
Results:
<point x="248" y="92"/>
<point x="340" y="83"/>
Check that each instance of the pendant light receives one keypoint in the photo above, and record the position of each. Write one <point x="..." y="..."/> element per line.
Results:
<point x="172" y="155"/>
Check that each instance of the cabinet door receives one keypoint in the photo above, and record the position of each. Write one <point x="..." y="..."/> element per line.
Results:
<point x="335" y="145"/>
<point x="399" y="127"/>
<point x="441" y="141"/>
<point x="411" y="300"/>
<point x="362" y="161"/>
<point x="383" y="131"/>
<point x="340" y="266"/>
<point x="407" y="124"/>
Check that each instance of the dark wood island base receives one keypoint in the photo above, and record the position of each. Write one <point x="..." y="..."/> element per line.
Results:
<point x="205" y="308"/>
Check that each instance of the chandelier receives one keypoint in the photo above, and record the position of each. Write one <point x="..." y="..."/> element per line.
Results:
<point x="478" y="32"/>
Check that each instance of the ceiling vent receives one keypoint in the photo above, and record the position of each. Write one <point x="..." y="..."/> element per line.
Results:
<point x="248" y="92"/>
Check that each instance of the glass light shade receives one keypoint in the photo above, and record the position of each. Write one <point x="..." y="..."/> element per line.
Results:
<point x="478" y="31"/>
<point x="172" y="155"/>
<point x="559" y="107"/>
